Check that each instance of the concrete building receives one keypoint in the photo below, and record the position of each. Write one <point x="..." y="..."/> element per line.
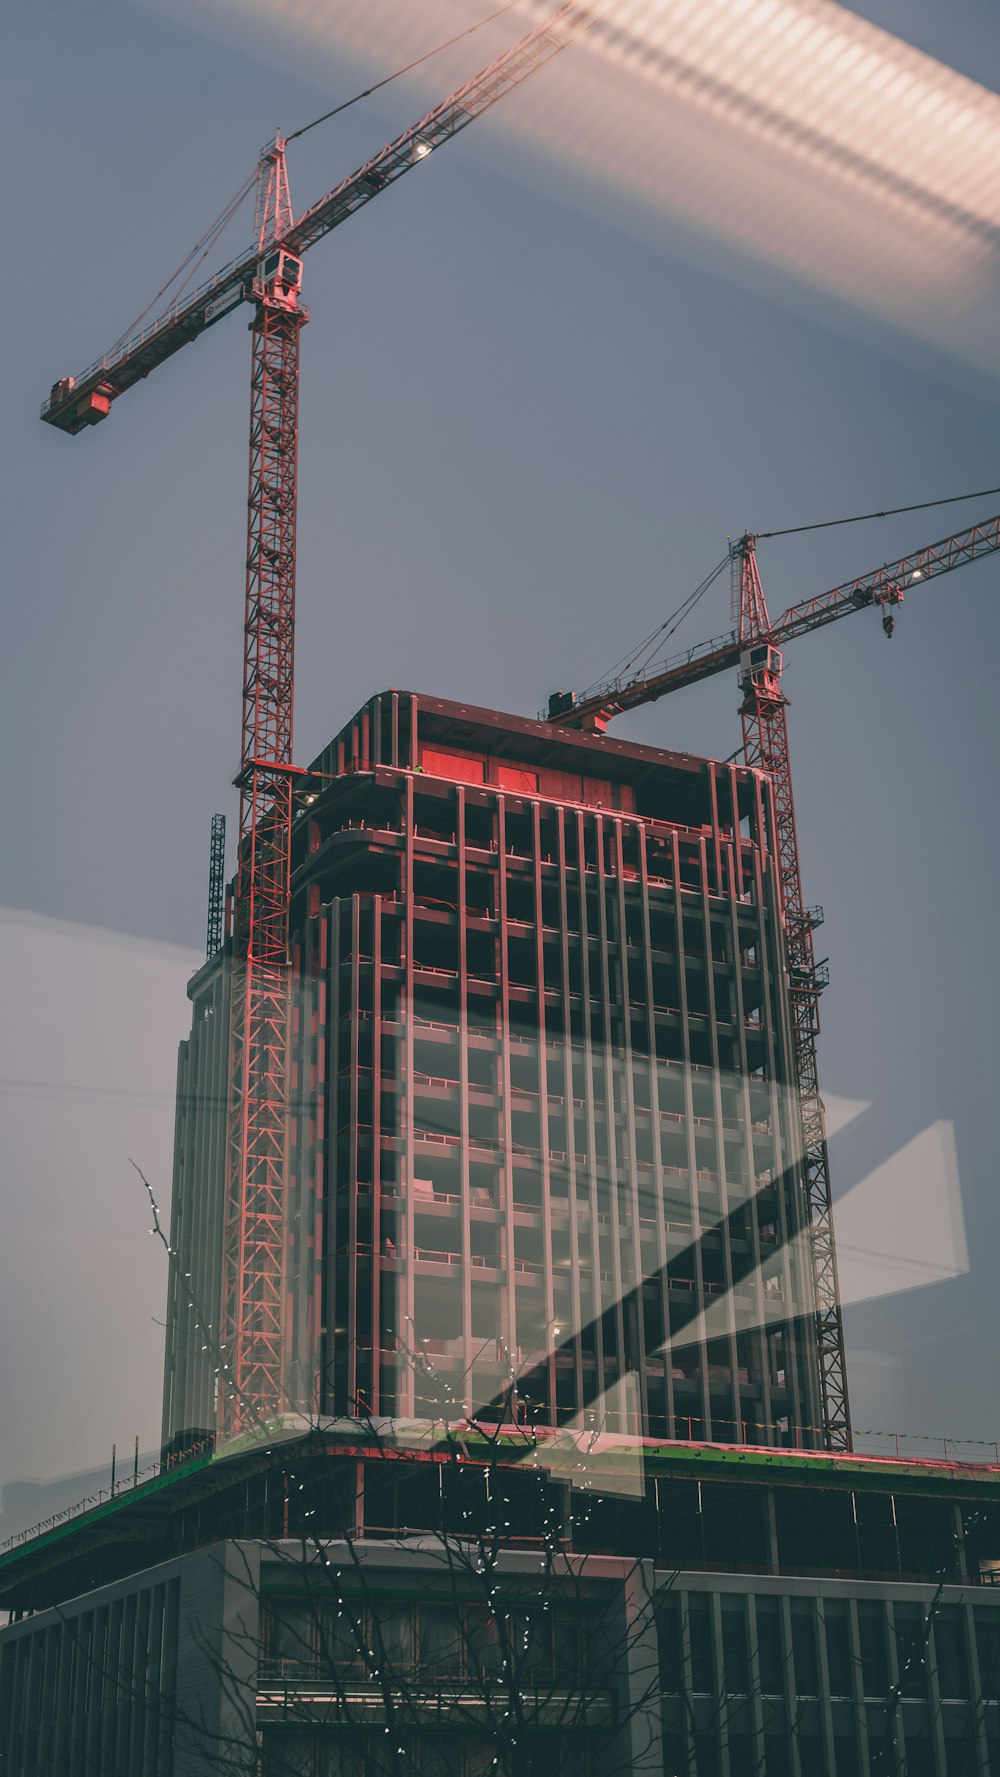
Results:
<point x="740" y="1612"/>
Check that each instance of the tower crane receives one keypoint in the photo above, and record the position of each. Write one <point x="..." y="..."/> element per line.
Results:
<point x="754" y="647"/>
<point x="268" y="276"/>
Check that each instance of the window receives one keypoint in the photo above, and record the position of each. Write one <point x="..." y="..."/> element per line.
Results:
<point x="776" y="1760"/>
<point x="392" y="1634"/>
<point x="439" y="1640"/>
<point x="702" y="1655"/>
<point x="950" y="1652"/>
<point x="742" y="1759"/>
<point x="804" y="1648"/>
<point x="838" y="1649"/>
<point x="668" y="1634"/>
<point x="920" y="1760"/>
<point x="734" y="1647"/>
<point x="291" y="1631"/>
<point x="846" y="1755"/>
<point x="988" y="1639"/>
<point x="911" y="1649"/>
<point x="706" y="1755"/>
<point x="769" y="1650"/>
<point x="484" y="1652"/>
<point x="874" y="1666"/>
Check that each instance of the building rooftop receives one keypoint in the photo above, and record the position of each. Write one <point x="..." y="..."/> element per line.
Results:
<point x="667" y="784"/>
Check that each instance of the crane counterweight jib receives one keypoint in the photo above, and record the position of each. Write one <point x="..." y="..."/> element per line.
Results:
<point x="70" y="404"/>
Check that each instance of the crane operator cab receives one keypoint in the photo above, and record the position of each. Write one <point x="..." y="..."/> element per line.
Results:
<point x="279" y="275"/>
<point x="760" y="667"/>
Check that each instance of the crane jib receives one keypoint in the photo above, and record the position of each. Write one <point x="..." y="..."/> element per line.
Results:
<point x="77" y="403"/>
<point x="883" y="588"/>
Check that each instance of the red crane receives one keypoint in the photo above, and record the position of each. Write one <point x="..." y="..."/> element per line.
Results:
<point x="269" y="276"/>
<point x="753" y="647"/>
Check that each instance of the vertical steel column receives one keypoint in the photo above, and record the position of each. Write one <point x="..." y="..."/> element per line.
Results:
<point x="765" y="740"/>
<point x="610" y="1182"/>
<point x="349" y="1183"/>
<point x="697" y="1231"/>
<point x="635" y="1332"/>
<point x="509" y="1334"/>
<point x="661" y="1218"/>
<point x="252" y="1380"/>
<point x="465" y="1187"/>
<point x="406" y="1301"/>
<point x="569" y="1103"/>
<point x="742" y="1080"/>
<point x="593" y="1169"/>
<point x="549" y="1341"/>
<point x="724" y="1210"/>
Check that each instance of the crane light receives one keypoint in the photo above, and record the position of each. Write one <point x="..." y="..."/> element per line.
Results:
<point x="916" y="575"/>
<point x="421" y="149"/>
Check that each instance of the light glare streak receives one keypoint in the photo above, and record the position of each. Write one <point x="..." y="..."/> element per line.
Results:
<point x="793" y="130"/>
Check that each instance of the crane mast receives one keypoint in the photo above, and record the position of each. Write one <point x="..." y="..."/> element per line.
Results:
<point x="763" y="714"/>
<point x="252" y="1324"/>
<point x="252" y="1387"/>
<point x="752" y="646"/>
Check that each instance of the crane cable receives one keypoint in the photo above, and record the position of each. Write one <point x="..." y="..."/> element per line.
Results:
<point x="647" y="647"/>
<point x="192" y="259"/>
<point x="827" y="524"/>
<point x="389" y="78"/>
<point x="202" y="247"/>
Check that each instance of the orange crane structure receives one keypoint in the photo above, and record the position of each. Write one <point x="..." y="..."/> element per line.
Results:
<point x="269" y="277"/>
<point x="753" y="647"/>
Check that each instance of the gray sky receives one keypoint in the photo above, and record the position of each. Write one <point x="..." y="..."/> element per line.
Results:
<point x="531" y="415"/>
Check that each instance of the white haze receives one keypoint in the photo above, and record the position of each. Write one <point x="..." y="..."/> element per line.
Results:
<point x="792" y="130"/>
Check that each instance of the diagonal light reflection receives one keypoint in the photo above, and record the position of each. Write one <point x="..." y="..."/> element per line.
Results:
<point x="794" y="129"/>
<point x="900" y="1227"/>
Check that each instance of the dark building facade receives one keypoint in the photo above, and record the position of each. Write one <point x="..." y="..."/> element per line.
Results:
<point x="739" y="1614"/>
<point x="543" y="1124"/>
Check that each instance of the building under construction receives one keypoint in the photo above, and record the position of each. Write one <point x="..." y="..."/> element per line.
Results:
<point x="505" y="1423"/>
<point x="546" y="1493"/>
<point x="544" y="1131"/>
